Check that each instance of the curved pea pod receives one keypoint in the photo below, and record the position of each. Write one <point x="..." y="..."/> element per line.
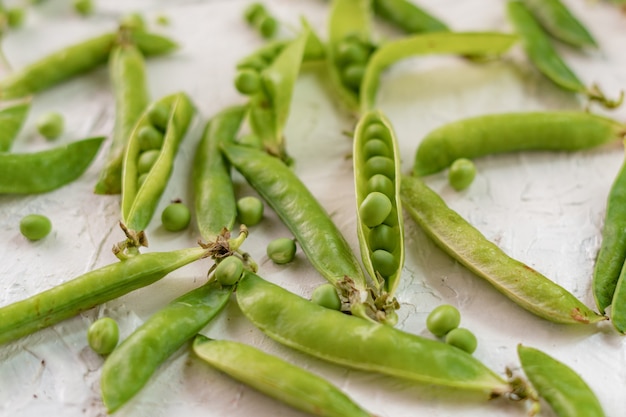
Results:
<point x="277" y="378"/>
<point x="128" y="76"/>
<point x="531" y="131"/>
<point x="140" y="201"/>
<point x="374" y="140"/>
<point x="89" y="290"/>
<point x="152" y="44"/>
<point x="11" y="121"/>
<point x="469" y="43"/>
<point x="408" y="16"/>
<point x="523" y="285"/>
<point x="562" y="388"/>
<point x="40" y="172"/>
<point x="360" y="344"/>
<point x="129" y="367"/>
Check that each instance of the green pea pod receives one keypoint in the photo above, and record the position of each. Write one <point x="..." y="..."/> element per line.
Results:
<point x="89" y="290"/>
<point x="618" y="301"/>
<point x="360" y="344"/>
<point x="408" y="16"/>
<point x="531" y="131"/>
<point x="11" y="121"/>
<point x="128" y="77"/>
<point x="387" y="236"/>
<point x="517" y="281"/>
<point x="263" y="56"/>
<point x="477" y="43"/>
<point x="559" y="22"/>
<point x="152" y="44"/>
<point x="277" y="378"/>
<point x="132" y="363"/>
<point x="40" y="172"/>
<point x="140" y="201"/>
<point x="562" y="388"/>
<point x="314" y="50"/>
<point x="215" y="202"/>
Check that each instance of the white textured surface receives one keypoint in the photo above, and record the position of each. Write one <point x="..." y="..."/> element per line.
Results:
<point x="544" y="209"/>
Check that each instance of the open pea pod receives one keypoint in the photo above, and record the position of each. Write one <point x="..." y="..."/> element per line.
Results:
<point x="379" y="210"/>
<point x="467" y="43"/>
<point x="11" y="121"/>
<point x="140" y="196"/>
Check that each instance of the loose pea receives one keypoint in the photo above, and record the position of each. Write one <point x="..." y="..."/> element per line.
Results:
<point x="249" y="210"/>
<point x="461" y="174"/>
<point x="350" y="52"/>
<point x="229" y="270"/>
<point x="83" y="7"/>
<point x="175" y="217"/>
<point x="253" y="12"/>
<point x="162" y="20"/>
<point x="443" y="319"/>
<point x="268" y="26"/>
<point x="463" y="339"/>
<point x="133" y="21"/>
<point x="50" y="125"/>
<point x="384" y="262"/>
<point x="375" y="147"/>
<point x="326" y="296"/>
<point x="159" y="116"/>
<point x="149" y="138"/>
<point x="376" y="130"/>
<point x="374" y="209"/>
<point x="353" y="74"/>
<point x="380" y="165"/>
<point x="382" y="184"/>
<point x="15" y="17"/>
<point x="147" y="160"/>
<point x="281" y="250"/>
<point x="35" y="226"/>
<point x="247" y="81"/>
<point x="103" y="335"/>
<point x="383" y="237"/>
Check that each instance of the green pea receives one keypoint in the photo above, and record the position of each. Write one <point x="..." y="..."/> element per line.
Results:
<point x="229" y="270"/>
<point x="176" y="217"/>
<point x="374" y="209"/>
<point x="133" y="21"/>
<point x="376" y="130"/>
<point x="15" y="17"/>
<point x="35" y="226"/>
<point x="50" y="125"/>
<point x="326" y="296"/>
<point x="376" y="147"/>
<point x="141" y="179"/>
<point x="162" y="20"/>
<point x="281" y="250"/>
<point x="253" y="12"/>
<point x="353" y="75"/>
<point x="257" y="63"/>
<point x="461" y="174"/>
<point x="268" y="26"/>
<point x="443" y="319"/>
<point x="351" y="52"/>
<point x="391" y="220"/>
<point x="380" y="165"/>
<point x="247" y="81"/>
<point x="103" y="335"/>
<point x="149" y="138"/>
<point x="463" y="339"/>
<point x="146" y="160"/>
<point x="383" y="237"/>
<point x="159" y="116"/>
<point x="83" y="7"/>
<point x="384" y="262"/>
<point x="249" y="211"/>
<point x="382" y="184"/>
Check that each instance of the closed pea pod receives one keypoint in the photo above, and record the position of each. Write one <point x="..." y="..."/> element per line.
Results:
<point x="407" y="16"/>
<point x="11" y="121"/>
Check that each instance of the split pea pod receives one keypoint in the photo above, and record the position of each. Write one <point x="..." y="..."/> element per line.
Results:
<point x="509" y="132"/>
<point x="277" y="378"/>
<point x="129" y="367"/>
<point x="520" y="283"/>
<point x="377" y="183"/>
<point x="89" y="290"/>
<point x="40" y="172"/>
<point x="408" y="16"/>
<point x="11" y="121"/>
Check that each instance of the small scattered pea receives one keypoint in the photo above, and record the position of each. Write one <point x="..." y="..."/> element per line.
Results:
<point x="15" y="17"/>
<point x="249" y="210"/>
<point x="83" y="7"/>
<point x="35" y="226"/>
<point x="146" y="160"/>
<point x="133" y="21"/>
<point x="268" y="26"/>
<point x="463" y="339"/>
<point x="103" y="335"/>
<point x="149" y="138"/>
<point x="281" y="250"/>
<point x="159" y="116"/>
<point x="461" y="174"/>
<point x="162" y="20"/>
<point x="50" y="125"/>
<point x="384" y="262"/>
<point x="253" y="12"/>
<point x="175" y="217"/>
<point x="374" y="209"/>
<point x="229" y="270"/>
<point x="443" y="319"/>
<point x="247" y="81"/>
<point x="326" y="296"/>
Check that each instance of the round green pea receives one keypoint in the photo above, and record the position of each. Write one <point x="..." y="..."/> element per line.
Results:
<point x="382" y="184"/>
<point x="326" y="296"/>
<point x="146" y="160"/>
<point x="247" y="81"/>
<point x="351" y="52"/>
<point x="392" y="219"/>
<point x="353" y="74"/>
<point x="15" y="17"/>
<point x="249" y="210"/>
<point x="463" y="339"/>
<point x="103" y="335"/>
<point x="380" y="165"/>
<point x="149" y="138"/>
<point x="50" y="125"/>
<point x="257" y="63"/>
<point x="159" y="116"/>
<point x="253" y="12"/>
<point x="83" y="7"/>
<point x="443" y="319"/>
<point x="268" y="26"/>
<point x="374" y="209"/>
<point x="175" y="217"/>
<point x="229" y="270"/>
<point x="383" y="237"/>
<point x="35" y="226"/>
<point x="133" y="21"/>
<point x="281" y="250"/>
<point x="384" y="262"/>
<point x="461" y="174"/>
<point x="376" y="130"/>
<point x="162" y="20"/>
<point x="375" y="147"/>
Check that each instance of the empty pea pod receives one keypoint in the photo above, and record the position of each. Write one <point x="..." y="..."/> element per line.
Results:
<point x="408" y="16"/>
<point x="11" y="121"/>
<point x="479" y="136"/>
<point x="523" y="285"/>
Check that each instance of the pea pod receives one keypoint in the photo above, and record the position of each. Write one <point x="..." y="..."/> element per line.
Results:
<point x="152" y="44"/>
<point x="128" y="77"/>
<point x="479" y="136"/>
<point x="11" y="121"/>
<point x="408" y="16"/>
<point x="133" y="362"/>
<point x="523" y="285"/>
<point x="40" y="172"/>
<point x="374" y="140"/>
<point x="476" y="43"/>
<point x="562" y="388"/>
<point x="277" y="378"/>
<point x="89" y="290"/>
<point x="140" y="201"/>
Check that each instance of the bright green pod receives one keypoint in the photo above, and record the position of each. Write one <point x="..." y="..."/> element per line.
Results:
<point x="152" y="44"/>
<point x="140" y="203"/>
<point x="277" y="378"/>
<point x="11" y="121"/>
<point x="89" y="290"/>
<point x="408" y="16"/>
<point x="374" y="126"/>
<point x="530" y="131"/>
<point x="40" y="172"/>
<point x="562" y="388"/>
<point x="520" y="283"/>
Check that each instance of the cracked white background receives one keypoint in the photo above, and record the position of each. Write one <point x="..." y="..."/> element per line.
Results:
<point x="545" y="209"/>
